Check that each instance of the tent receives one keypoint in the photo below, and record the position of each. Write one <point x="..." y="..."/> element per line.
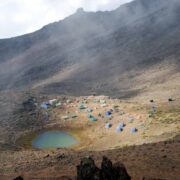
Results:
<point x="68" y="101"/>
<point x="122" y="125"/>
<point x="81" y="106"/>
<point x="108" y="113"/>
<point x="58" y="104"/>
<point x="95" y="100"/>
<point x="103" y="105"/>
<point x="108" y="125"/>
<point x="45" y="105"/>
<point x="65" y="117"/>
<point x="102" y="101"/>
<point x="119" y="129"/>
<point x="89" y="110"/>
<point x="133" y="130"/>
<point x="91" y="117"/>
<point x="53" y="101"/>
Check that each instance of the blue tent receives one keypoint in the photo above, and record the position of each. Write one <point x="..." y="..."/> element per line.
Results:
<point x="108" y="125"/>
<point x="89" y="116"/>
<point x="119" y="129"/>
<point x="93" y="118"/>
<point x="45" y="105"/>
<point x="133" y="130"/>
<point x="81" y="106"/>
<point x="108" y="113"/>
<point x="122" y="125"/>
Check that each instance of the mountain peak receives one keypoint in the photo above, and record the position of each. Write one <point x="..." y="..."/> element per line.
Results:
<point x="80" y="10"/>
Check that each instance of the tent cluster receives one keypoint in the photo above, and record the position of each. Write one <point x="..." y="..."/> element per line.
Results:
<point x="84" y="107"/>
<point x="91" y="117"/>
<point x="120" y="127"/>
<point x="50" y="103"/>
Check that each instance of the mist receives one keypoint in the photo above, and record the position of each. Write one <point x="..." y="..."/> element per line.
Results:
<point x="22" y="17"/>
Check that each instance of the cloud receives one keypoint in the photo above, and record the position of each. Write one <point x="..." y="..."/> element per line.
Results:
<point x="22" y="16"/>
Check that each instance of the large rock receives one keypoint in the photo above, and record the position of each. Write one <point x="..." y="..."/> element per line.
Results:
<point x="113" y="172"/>
<point x="18" y="178"/>
<point x="87" y="170"/>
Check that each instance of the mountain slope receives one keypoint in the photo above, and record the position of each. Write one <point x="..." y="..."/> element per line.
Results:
<point x="105" y="52"/>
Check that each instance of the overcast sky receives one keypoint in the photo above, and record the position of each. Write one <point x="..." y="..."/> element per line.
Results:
<point x="19" y="17"/>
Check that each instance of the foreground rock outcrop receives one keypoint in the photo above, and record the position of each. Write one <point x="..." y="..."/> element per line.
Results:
<point x="87" y="170"/>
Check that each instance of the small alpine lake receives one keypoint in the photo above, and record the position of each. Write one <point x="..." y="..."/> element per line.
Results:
<point x="54" y="139"/>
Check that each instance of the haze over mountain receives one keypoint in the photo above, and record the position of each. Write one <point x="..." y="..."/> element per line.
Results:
<point x="120" y="53"/>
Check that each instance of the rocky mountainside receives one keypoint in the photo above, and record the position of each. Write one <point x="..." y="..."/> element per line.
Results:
<point x="121" y="52"/>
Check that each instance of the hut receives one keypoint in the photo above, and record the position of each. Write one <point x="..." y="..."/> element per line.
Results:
<point x="53" y="101"/>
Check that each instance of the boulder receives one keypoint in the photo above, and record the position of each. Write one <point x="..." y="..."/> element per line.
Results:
<point x="87" y="170"/>
<point x="18" y="178"/>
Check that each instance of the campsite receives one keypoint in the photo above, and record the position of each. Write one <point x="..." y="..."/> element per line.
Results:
<point x="102" y="126"/>
<point x="96" y="120"/>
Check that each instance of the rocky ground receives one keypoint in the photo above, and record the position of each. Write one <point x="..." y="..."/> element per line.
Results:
<point x="153" y="161"/>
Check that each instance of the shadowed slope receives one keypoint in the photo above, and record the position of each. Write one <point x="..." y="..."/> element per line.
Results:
<point x="91" y="52"/>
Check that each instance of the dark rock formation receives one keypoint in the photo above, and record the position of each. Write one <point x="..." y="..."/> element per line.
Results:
<point x="29" y="104"/>
<point x="87" y="170"/>
<point x="170" y="99"/>
<point x="144" y="178"/>
<point x="18" y="178"/>
<point x="120" y="172"/>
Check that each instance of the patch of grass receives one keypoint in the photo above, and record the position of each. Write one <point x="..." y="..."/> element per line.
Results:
<point x="168" y="116"/>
